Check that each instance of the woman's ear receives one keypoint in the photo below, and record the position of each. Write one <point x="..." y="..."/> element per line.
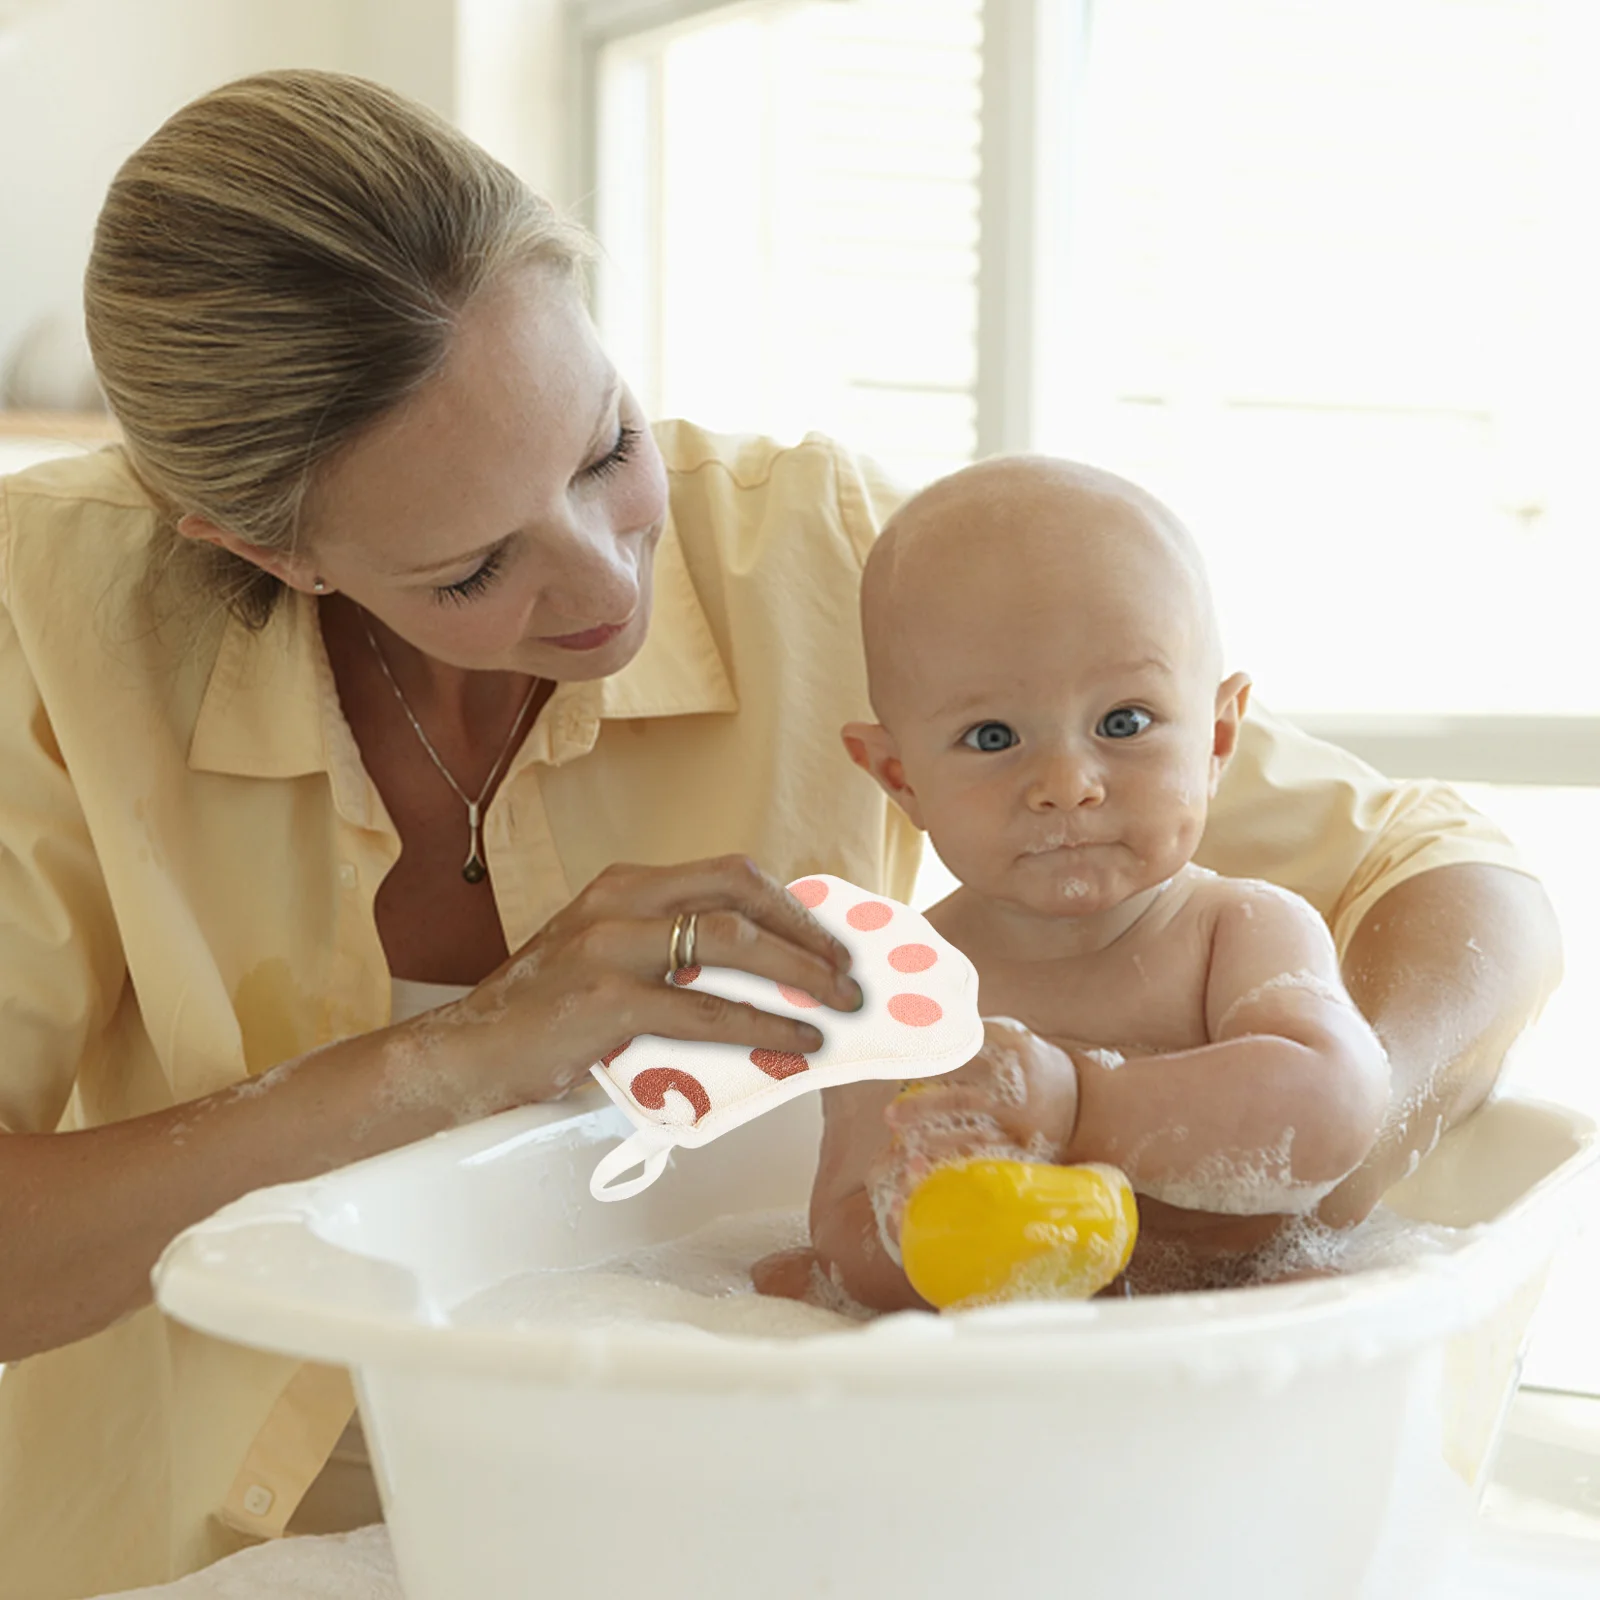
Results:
<point x="292" y="570"/>
<point x="1232" y="698"/>
<point x="871" y="746"/>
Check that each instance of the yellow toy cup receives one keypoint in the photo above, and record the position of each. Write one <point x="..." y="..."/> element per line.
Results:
<point x="978" y="1232"/>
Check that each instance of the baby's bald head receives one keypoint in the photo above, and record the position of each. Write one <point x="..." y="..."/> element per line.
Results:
<point x="1022" y="539"/>
<point x="1044" y="664"/>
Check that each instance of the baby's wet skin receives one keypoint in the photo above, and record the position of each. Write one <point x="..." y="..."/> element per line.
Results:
<point x="1045" y="666"/>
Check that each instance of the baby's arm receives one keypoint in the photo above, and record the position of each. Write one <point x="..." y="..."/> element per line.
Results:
<point x="1016" y="1098"/>
<point x="1284" y="1101"/>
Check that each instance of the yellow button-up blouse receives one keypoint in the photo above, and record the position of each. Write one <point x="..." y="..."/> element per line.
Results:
<point x="190" y="849"/>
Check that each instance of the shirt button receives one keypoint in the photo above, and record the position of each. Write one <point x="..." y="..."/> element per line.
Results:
<point x="347" y="875"/>
<point x="258" y="1500"/>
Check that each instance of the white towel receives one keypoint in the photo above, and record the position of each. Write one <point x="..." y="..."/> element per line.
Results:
<point x="920" y="1019"/>
<point x="338" y="1566"/>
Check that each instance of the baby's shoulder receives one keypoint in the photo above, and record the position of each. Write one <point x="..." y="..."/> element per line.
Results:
<point x="1250" y="905"/>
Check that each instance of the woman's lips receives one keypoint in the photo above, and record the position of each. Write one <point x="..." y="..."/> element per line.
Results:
<point x="589" y="639"/>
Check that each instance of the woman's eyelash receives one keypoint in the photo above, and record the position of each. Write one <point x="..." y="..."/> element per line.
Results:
<point x="474" y="583"/>
<point x="617" y="455"/>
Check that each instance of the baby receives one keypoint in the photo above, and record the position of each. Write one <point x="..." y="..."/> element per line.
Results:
<point x="1044" y="662"/>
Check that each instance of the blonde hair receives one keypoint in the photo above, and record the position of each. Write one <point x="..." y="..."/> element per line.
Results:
<point x="277" y="267"/>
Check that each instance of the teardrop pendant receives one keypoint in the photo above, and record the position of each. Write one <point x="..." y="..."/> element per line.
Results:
<point x="474" y="870"/>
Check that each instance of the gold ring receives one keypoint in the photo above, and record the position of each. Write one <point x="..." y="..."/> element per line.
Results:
<point x="688" y="938"/>
<point x="672" y="947"/>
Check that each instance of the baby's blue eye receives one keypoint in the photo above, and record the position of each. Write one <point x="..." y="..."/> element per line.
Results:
<point x="1124" y="723"/>
<point x="990" y="736"/>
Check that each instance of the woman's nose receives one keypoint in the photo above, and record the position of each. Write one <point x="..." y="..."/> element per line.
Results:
<point x="1064" y="781"/>
<point x="592" y="574"/>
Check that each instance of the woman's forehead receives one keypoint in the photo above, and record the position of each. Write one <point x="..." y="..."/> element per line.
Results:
<point x="523" y="400"/>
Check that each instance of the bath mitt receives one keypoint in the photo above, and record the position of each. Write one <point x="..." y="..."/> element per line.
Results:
<point x="920" y="1019"/>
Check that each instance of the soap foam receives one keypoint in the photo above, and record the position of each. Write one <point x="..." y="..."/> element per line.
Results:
<point x="1310" y="982"/>
<point x="883" y="1195"/>
<point x="701" y="1280"/>
<point x="1106" y="1060"/>
<point x="1010" y="1081"/>
<point x="827" y="1292"/>
<point x="1305" y="1248"/>
<point x="981" y="1138"/>
<point x="1243" y="1183"/>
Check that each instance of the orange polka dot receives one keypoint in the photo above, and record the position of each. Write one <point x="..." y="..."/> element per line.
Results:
<point x="869" y="915"/>
<point x="912" y="957"/>
<point x="810" y="892"/>
<point x="915" y="1010"/>
<point x="684" y="976"/>
<point x="797" y="997"/>
<point x="779" y="1063"/>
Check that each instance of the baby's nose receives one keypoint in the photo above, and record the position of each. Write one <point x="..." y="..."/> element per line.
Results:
<point x="1064" y="781"/>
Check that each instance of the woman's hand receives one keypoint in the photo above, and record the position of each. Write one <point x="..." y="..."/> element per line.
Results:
<point x="1017" y="1099"/>
<point x="596" y="974"/>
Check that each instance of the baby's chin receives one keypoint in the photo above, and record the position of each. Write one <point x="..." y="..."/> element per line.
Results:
<point x="1065" y="889"/>
<point x="1059" y="885"/>
<point x="1058" y="888"/>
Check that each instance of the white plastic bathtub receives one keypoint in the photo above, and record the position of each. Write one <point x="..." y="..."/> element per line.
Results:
<point x="1311" y="1441"/>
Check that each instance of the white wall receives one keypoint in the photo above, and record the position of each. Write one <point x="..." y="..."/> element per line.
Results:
<point x="83" y="82"/>
<point x="510" y="86"/>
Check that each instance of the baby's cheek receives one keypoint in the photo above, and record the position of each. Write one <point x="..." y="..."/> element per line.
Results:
<point x="1174" y="825"/>
<point x="975" y="855"/>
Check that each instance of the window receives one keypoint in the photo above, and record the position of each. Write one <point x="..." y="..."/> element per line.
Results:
<point x="1333" y="262"/>
<point x="787" y="196"/>
<point x="1319" y="275"/>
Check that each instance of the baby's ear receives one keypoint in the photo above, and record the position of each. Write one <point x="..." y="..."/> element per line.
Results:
<point x="1232" y="698"/>
<point x="871" y="746"/>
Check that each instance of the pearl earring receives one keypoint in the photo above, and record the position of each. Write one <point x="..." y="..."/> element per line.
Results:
<point x="318" y="586"/>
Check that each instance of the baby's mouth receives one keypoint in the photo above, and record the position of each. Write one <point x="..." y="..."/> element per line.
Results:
<point x="1046" y="847"/>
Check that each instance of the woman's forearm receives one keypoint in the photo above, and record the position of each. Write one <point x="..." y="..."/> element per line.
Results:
<point x="84" y="1215"/>
<point x="1450" y="967"/>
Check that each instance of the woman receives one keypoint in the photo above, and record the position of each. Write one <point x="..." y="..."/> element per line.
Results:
<point x="327" y="707"/>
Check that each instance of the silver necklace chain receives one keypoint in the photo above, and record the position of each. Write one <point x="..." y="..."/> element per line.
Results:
<point x="474" y="869"/>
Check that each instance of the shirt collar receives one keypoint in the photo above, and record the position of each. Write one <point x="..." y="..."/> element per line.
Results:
<point x="271" y="710"/>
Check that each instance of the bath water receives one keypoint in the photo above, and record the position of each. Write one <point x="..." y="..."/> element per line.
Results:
<point x="702" y="1280"/>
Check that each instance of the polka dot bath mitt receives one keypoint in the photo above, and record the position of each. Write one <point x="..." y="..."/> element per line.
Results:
<point x="920" y="1019"/>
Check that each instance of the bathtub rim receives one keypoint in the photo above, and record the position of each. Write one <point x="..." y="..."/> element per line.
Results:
<point x="280" y="1285"/>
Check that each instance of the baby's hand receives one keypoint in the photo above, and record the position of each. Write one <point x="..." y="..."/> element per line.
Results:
<point x="1016" y="1100"/>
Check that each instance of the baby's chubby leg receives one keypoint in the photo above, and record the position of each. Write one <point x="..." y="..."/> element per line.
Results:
<point x="786" y="1274"/>
<point x="844" y="1233"/>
